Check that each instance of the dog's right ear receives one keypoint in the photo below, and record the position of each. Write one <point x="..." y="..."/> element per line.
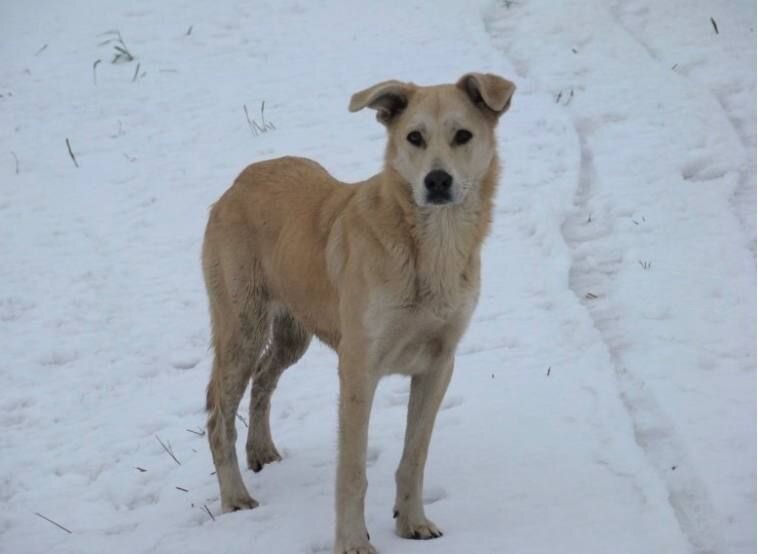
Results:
<point x="388" y="98"/>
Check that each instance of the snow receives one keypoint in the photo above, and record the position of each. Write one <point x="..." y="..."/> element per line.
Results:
<point x="604" y="397"/>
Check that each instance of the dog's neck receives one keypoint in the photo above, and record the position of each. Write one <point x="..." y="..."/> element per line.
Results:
<point x="445" y="241"/>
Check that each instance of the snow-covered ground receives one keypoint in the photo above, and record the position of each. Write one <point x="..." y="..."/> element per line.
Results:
<point x="604" y="396"/>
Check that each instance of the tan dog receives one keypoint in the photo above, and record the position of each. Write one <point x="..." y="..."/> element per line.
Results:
<point x="386" y="272"/>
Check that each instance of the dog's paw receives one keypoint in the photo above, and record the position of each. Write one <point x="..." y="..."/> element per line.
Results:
<point x="360" y="546"/>
<point x="356" y="549"/>
<point x="240" y="501"/>
<point x="259" y="456"/>
<point x="419" y="530"/>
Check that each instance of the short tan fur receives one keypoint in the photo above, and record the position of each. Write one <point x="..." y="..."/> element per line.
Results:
<point x="386" y="272"/>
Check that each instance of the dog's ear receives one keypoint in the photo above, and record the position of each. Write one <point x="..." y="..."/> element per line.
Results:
<point x="489" y="92"/>
<point x="388" y="98"/>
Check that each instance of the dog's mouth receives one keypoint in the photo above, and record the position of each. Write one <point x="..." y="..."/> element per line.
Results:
<point x="439" y="197"/>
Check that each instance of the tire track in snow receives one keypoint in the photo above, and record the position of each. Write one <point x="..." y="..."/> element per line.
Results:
<point x="595" y="263"/>
<point x="654" y="432"/>
<point x="593" y="267"/>
<point x="743" y="200"/>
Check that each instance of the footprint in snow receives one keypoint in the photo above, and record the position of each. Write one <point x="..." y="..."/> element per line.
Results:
<point x="372" y="455"/>
<point x="183" y="360"/>
<point x="702" y="168"/>
<point x="17" y="404"/>
<point x="142" y="500"/>
<point x="447" y="422"/>
<point x="148" y="373"/>
<point x="396" y="399"/>
<point x="13" y="309"/>
<point x="319" y="547"/>
<point x="58" y="357"/>
<point x="13" y="419"/>
<point x="451" y="402"/>
<point x="434" y="494"/>
<point x="121" y="529"/>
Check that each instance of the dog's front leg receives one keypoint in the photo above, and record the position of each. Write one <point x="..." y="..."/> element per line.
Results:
<point x="427" y="391"/>
<point x="357" y="387"/>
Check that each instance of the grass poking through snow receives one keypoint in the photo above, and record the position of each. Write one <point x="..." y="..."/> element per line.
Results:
<point x="258" y="128"/>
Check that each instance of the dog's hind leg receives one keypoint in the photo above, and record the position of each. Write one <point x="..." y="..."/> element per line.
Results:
<point x="289" y="342"/>
<point x="241" y="326"/>
<point x="232" y="367"/>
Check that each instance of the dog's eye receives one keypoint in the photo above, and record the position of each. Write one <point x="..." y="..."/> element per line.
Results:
<point x="462" y="136"/>
<point x="415" y="138"/>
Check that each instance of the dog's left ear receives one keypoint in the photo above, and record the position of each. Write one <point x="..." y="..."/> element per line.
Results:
<point x="388" y="98"/>
<point x="489" y="92"/>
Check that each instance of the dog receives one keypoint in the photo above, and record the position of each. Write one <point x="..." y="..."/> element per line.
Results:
<point x="386" y="272"/>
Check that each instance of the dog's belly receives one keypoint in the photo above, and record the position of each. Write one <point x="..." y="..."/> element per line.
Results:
<point x="413" y="355"/>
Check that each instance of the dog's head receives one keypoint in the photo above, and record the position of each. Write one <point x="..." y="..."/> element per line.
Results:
<point x="441" y="138"/>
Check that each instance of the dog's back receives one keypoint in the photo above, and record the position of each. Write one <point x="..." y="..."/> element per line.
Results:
<point x="267" y="237"/>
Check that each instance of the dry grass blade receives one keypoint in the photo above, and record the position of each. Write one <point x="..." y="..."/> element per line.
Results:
<point x="250" y="122"/>
<point x="114" y="35"/>
<point x="15" y="158"/>
<point x="189" y="31"/>
<point x="258" y="128"/>
<point x="209" y="512"/>
<point x="94" y="70"/>
<point x="181" y="489"/>
<point x="38" y="52"/>
<point x="715" y="27"/>
<point x="198" y="433"/>
<point x="136" y="74"/>
<point x="242" y="419"/>
<point x="266" y="125"/>
<point x="168" y="450"/>
<point x="122" y="55"/>
<point x="71" y="152"/>
<point x="53" y="522"/>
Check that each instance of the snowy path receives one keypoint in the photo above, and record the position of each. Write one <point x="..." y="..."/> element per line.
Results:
<point x="604" y="399"/>
<point x="651" y="259"/>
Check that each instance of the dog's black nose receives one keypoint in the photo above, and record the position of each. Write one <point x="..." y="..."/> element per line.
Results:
<point x="438" y="183"/>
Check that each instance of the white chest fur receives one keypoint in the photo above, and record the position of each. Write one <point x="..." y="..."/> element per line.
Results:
<point x="413" y="339"/>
